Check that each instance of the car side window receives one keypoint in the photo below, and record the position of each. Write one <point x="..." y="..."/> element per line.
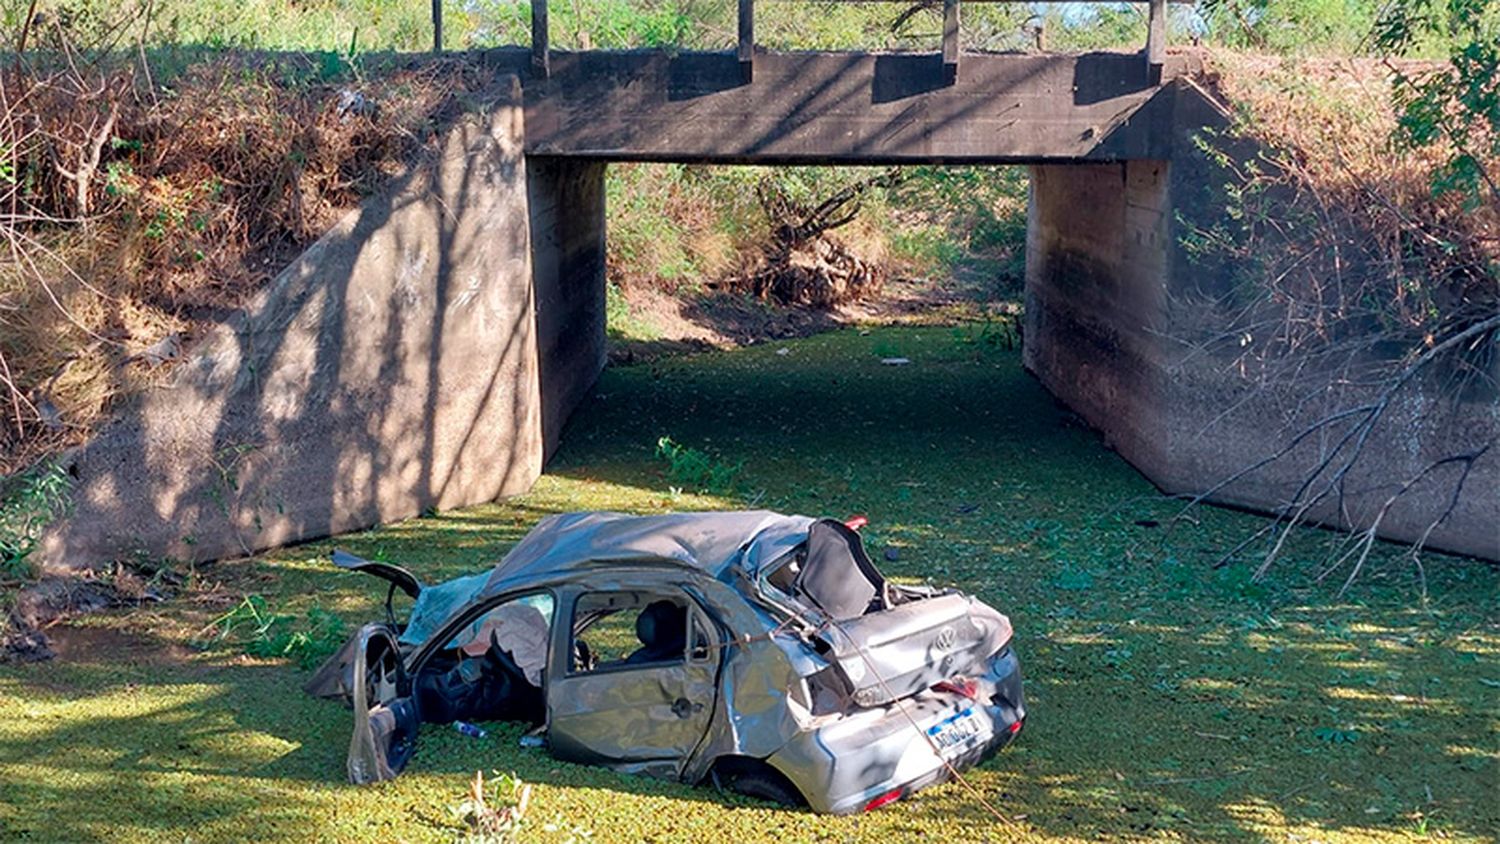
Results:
<point x="623" y="630"/>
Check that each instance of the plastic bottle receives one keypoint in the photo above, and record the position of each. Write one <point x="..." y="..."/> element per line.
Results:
<point x="470" y="730"/>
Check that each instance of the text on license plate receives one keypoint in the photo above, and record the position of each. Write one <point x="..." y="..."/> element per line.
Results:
<point x="955" y="729"/>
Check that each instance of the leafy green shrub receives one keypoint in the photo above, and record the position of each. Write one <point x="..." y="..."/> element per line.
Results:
<point x="1454" y="110"/>
<point x="928" y="250"/>
<point x="990" y="336"/>
<point x="693" y="469"/>
<point x="29" y="501"/>
<point x="254" y="628"/>
<point x="998" y="231"/>
<point x="962" y="219"/>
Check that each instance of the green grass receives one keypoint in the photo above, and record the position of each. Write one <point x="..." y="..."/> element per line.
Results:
<point x="624" y="323"/>
<point x="1168" y="701"/>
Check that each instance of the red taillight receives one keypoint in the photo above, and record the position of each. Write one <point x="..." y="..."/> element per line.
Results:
<point x="959" y="685"/>
<point x="856" y="522"/>
<point x="1014" y="728"/>
<point x="889" y="797"/>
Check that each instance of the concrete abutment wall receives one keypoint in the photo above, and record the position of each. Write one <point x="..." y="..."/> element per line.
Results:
<point x="422" y="354"/>
<point x="1111" y="298"/>
<point x="566" y="199"/>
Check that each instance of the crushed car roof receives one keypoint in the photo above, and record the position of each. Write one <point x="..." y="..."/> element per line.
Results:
<point x="707" y="542"/>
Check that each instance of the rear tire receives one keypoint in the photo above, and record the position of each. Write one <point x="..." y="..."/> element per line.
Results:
<point x="757" y="779"/>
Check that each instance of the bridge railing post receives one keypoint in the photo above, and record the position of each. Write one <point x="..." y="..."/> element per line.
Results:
<point x="950" y="40"/>
<point x="540" y="64"/>
<point x="746" y="50"/>
<point x="1156" y="40"/>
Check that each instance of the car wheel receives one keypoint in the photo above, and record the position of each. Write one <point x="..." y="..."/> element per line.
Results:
<point x="757" y="779"/>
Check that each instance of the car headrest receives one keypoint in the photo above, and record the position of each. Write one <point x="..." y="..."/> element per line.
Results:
<point x="662" y="625"/>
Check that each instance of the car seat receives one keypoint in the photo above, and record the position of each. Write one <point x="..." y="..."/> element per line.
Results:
<point x="662" y="629"/>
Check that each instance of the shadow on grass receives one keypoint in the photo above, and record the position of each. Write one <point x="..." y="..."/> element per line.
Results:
<point x="105" y="751"/>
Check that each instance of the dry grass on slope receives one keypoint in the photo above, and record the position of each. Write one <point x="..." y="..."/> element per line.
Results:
<point x="1333" y="224"/>
<point x="140" y="210"/>
<point x="1339" y="279"/>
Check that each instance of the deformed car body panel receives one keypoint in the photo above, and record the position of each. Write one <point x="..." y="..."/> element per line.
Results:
<point x="852" y="760"/>
<point x="397" y="576"/>
<point x="846" y="692"/>
<point x="645" y="718"/>
<point x="576" y="543"/>
<point x="895" y="653"/>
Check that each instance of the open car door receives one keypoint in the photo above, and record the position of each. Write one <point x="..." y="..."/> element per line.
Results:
<point x="385" y="710"/>
<point x="396" y="576"/>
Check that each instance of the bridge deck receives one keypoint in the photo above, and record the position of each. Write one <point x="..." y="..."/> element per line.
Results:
<point x="844" y="107"/>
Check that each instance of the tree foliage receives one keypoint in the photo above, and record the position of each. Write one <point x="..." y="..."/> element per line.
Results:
<point x="1289" y="26"/>
<point x="1457" y="106"/>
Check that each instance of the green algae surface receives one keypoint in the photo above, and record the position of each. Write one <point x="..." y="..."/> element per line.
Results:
<point x="1169" y="700"/>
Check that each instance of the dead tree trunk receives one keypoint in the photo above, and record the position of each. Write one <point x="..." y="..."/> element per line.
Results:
<point x="802" y="264"/>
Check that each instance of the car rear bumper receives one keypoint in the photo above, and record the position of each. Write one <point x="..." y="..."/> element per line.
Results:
<point x="879" y="755"/>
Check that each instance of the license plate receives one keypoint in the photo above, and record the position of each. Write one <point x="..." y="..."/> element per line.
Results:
<point x="955" y="729"/>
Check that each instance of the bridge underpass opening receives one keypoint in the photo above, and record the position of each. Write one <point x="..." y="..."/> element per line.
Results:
<point x="808" y="239"/>
<point x="1079" y="249"/>
<point x="822" y="425"/>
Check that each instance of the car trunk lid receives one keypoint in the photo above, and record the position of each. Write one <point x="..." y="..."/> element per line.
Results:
<point x="891" y="654"/>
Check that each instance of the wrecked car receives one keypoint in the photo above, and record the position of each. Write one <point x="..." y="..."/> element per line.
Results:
<point x="762" y="653"/>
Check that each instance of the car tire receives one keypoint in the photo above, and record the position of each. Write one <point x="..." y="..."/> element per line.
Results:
<point x="757" y="779"/>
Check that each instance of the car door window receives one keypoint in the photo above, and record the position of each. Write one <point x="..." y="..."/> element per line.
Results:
<point x="517" y="628"/>
<point x="623" y="630"/>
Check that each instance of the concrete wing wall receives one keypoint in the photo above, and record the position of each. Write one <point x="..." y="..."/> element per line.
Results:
<point x="391" y="368"/>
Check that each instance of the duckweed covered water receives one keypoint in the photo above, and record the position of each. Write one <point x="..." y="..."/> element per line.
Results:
<point x="1168" y="700"/>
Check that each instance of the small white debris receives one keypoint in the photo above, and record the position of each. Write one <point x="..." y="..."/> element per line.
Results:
<point x="895" y="361"/>
<point x="163" y="350"/>
<point x="354" y="104"/>
<point x="783" y="351"/>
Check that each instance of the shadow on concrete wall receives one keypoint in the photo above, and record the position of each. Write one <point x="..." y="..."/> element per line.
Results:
<point x="390" y="369"/>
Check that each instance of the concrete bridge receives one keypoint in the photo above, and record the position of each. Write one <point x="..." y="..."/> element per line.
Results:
<point x="427" y="351"/>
